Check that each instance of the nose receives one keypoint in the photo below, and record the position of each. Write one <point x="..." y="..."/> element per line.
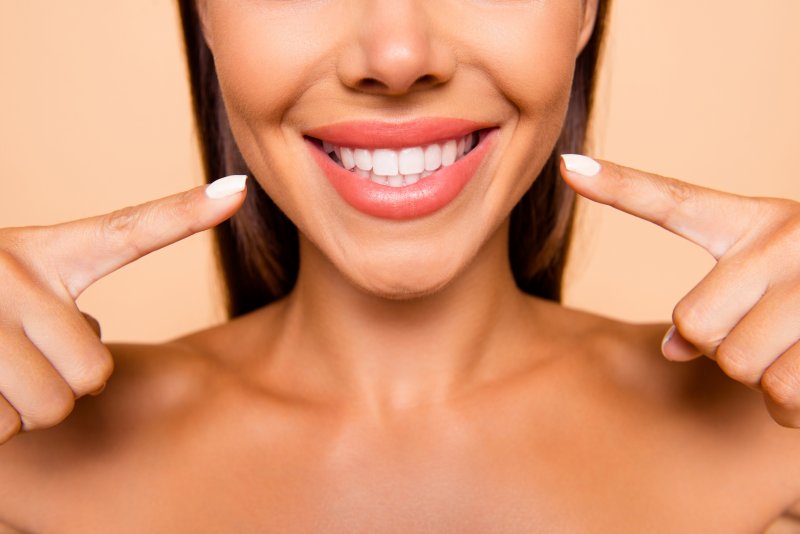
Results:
<point x="394" y="51"/>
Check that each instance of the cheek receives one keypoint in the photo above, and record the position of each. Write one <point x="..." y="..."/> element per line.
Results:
<point x="264" y="60"/>
<point x="530" y="56"/>
<point x="262" y="57"/>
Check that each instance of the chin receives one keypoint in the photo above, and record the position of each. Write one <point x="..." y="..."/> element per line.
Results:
<point x="403" y="278"/>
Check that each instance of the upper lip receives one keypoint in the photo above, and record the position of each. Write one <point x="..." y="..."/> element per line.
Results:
<point x="379" y="134"/>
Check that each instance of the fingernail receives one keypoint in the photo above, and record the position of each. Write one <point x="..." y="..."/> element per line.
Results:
<point x="667" y="337"/>
<point x="583" y="165"/>
<point x="227" y="186"/>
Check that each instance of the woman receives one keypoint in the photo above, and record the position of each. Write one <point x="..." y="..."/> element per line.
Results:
<point x="397" y="360"/>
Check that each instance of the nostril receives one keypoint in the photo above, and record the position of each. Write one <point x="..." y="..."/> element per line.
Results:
<point x="425" y="80"/>
<point x="371" y="84"/>
<point x="375" y="85"/>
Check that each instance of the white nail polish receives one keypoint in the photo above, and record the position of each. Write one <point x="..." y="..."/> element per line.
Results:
<point x="227" y="186"/>
<point x="582" y="165"/>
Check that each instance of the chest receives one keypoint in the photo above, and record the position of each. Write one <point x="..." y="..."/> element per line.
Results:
<point x="419" y="478"/>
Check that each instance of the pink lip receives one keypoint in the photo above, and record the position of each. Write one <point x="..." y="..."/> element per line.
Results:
<point x="377" y="134"/>
<point x="426" y="196"/>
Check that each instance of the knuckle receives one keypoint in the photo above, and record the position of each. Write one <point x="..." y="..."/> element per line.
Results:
<point x="123" y="220"/>
<point x="182" y="211"/>
<point x="678" y="193"/>
<point x="735" y="363"/>
<point x="691" y="323"/>
<point x="92" y="375"/>
<point x="184" y="204"/>
<point x="676" y="190"/>
<point x="117" y="227"/>
<point x="782" y="388"/>
<point x="50" y="411"/>
<point x="625" y="185"/>
<point x="786" y="418"/>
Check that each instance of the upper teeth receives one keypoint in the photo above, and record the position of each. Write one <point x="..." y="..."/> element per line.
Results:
<point x="402" y="166"/>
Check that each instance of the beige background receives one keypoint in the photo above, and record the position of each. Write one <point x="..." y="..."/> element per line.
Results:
<point x="94" y="115"/>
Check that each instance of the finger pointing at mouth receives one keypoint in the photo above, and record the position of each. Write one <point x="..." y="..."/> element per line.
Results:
<point x="715" y="220"/>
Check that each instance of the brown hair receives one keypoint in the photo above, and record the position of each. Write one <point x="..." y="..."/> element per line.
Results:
<point x="258" y="247"/>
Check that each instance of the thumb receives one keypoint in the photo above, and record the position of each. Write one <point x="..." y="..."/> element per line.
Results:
<point x="86" y="250"/>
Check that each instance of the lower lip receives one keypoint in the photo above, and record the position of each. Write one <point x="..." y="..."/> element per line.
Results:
<point x="428" y="195"/>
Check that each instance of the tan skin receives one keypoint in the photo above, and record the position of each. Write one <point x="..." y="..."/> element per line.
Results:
<point x="403" y="385"/>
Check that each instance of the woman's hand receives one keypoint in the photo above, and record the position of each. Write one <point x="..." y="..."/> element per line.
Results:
<point x="745" y="314"/>
<point x="51" y="352"/>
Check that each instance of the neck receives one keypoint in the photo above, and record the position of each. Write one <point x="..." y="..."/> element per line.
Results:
<point x="390" y="354"/>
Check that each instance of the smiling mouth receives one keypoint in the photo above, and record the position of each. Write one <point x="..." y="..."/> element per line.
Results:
<point x="399" y="167"/>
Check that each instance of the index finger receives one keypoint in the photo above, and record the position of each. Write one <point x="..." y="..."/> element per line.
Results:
<point x="713" y="219"/>
<point x="86" y="250"/>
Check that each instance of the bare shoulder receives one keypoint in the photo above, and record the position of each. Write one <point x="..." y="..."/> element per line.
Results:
<point x="148" y="382"/>
<point x="628" y="358"/>
<point x="696" y="400"/>
<point x="162" y="402"/>
<point x="151" y="389"/>
<point x="630" y="354"/>
<point x="151" y="385"/>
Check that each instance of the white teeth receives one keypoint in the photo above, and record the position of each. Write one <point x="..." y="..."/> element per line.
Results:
<point x="347" y="158"/>
<point x="384" y="162"/>
<point x="396" y="181"/>
<point x="433" y="157"/>
<point x="449" y="153"/>
<point x="363" y="159"/>
<point x="412" y="160"/>
<point x="379" y="179"/>
<point x="406" y="166"/>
